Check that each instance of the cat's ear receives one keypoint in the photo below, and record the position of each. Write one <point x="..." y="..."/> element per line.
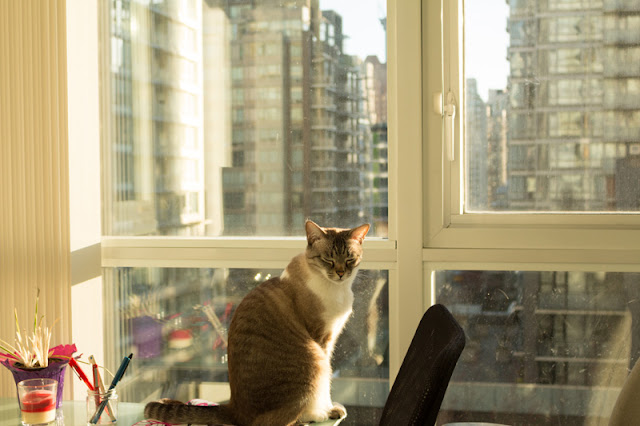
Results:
<point x="314" y="232"/>
<point x="359" y="232"/>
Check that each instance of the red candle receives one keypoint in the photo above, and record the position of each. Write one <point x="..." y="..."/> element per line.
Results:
<point x="38" y="406"/>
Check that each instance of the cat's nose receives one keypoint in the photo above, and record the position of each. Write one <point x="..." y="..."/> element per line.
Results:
<point x="340" y="273"/>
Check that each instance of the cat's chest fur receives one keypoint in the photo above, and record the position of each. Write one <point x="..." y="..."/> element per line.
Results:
<point x="336" y="301"/>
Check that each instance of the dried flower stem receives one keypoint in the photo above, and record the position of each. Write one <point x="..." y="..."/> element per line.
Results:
<point x="33" y="351"/>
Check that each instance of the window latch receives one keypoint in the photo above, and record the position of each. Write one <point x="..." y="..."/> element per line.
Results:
<point x="449" y="112"/>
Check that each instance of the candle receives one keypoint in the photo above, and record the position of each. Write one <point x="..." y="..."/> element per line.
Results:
<point x="38" y="406"/>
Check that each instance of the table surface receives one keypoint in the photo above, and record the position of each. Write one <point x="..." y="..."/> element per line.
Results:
<point x="74" y="413"/>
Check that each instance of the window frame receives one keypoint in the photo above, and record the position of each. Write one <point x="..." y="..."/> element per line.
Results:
<point x="400" y="253"/>
<point x="605" y="235"/>
<point x="427" y="229"/>
<point x="480" y="241"/>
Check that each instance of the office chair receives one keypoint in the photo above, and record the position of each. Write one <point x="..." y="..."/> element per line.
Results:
<point x="417" y="393"/>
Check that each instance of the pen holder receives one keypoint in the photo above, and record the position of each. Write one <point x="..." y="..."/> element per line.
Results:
<point x="95" y="399"/>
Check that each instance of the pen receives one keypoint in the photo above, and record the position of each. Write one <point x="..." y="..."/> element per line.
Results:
<point x="75" y="367"/>
<point x="114" y="382"/>
<point x="97" y="383"/>
<point x="97" y="392"/>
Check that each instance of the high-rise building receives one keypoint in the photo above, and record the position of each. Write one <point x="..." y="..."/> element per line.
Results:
<point x="217" y="101"/>
<point x="340" y="134"/>
<point x="157" y="162"/>
<point x="298" y="138"/>
<point x="375" y="74"/>
<point x="476" y="149"/>
<point x="254" y="119"/>
<point x="266" y="64"/>
<point x="574" y="105"/>
<point x="379" y="177"/>
<point x="497" y="105"/>
<point x="375" y="80"/>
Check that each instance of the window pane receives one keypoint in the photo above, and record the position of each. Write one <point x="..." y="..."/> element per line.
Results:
<point x="246" y="118"/>
<point x="542" y="347"/>
<point x="548" y="85"/>
<point x="159" y="315"/>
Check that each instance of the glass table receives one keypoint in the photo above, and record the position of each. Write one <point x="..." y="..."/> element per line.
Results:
<point x="74" y="413"/>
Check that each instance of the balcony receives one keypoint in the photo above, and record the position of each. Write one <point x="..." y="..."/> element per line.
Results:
<point x="621" y="101"/>
<point x="621" y="6"/>
<point x="323" y="82"/>
<point x="621" y="132"/>
<point x="618" y="66"/>
<point x="621" y="37"/>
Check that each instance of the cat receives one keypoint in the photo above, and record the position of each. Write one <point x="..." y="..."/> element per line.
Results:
<point x="281" y="340"/>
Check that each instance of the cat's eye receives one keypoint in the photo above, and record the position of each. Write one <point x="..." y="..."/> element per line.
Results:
<point x="328" y="261"/>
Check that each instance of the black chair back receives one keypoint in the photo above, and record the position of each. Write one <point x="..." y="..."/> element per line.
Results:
<point x="417" y="393"/>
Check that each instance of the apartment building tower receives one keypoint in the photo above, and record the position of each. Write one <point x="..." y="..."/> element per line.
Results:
<point x="574" y="109"/>
<point x="375" y="74"/>
<point x="156" y="158"/>
<point x="297" y="133"/>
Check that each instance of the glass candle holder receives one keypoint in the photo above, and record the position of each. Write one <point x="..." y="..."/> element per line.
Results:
<point x="38" y="401"/>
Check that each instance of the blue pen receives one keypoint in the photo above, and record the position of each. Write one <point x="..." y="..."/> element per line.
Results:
<point x="114" y="382"/>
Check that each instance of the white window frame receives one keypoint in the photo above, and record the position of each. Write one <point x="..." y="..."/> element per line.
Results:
<point x="607" y="240"/>
<point x="427" y="229"/>
<point x="400" y="254"/>
<point x="459" y="241"/>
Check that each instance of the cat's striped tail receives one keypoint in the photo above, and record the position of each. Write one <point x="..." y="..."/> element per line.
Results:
<point x="171" y="411"/>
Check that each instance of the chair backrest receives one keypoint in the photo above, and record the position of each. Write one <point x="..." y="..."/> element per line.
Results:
<point x="417" y="393"/>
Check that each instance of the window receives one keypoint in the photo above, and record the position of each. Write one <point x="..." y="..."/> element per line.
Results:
<point x="195" y="79"/>
<point x="531" y="226"/>
<point x="533" y="336"/>
<point x="235" y="124"/>
<point x="543" y="220"/>
<point x="560" y="101"/>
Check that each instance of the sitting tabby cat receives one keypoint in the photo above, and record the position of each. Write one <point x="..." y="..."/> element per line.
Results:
<point x="281" y="339"/>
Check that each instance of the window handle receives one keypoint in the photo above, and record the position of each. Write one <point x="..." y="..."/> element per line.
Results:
<point x="449" y="123"/>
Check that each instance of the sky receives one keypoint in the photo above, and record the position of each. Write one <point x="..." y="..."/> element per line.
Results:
<point x="361" y="24"/>
<point x="486" y="41"/>
<point x="485" y="30"/>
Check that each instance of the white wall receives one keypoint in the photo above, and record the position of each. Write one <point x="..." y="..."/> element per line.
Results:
<point x="84" y="182"/>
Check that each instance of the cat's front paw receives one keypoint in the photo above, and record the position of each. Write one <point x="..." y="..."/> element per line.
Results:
<point x="315" y="416"/>
<point x="337" y="411"/>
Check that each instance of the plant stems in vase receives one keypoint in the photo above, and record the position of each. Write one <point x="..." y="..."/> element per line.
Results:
<point x="30" y="357"/>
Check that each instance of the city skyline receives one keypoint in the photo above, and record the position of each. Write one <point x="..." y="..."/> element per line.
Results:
<point x="279" y="133"/>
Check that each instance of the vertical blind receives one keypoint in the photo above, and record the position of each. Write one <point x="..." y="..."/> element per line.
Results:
<point x="34" y="193"/>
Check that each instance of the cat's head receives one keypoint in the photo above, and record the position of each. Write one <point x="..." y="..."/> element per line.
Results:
<point x="335" y="253"/>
